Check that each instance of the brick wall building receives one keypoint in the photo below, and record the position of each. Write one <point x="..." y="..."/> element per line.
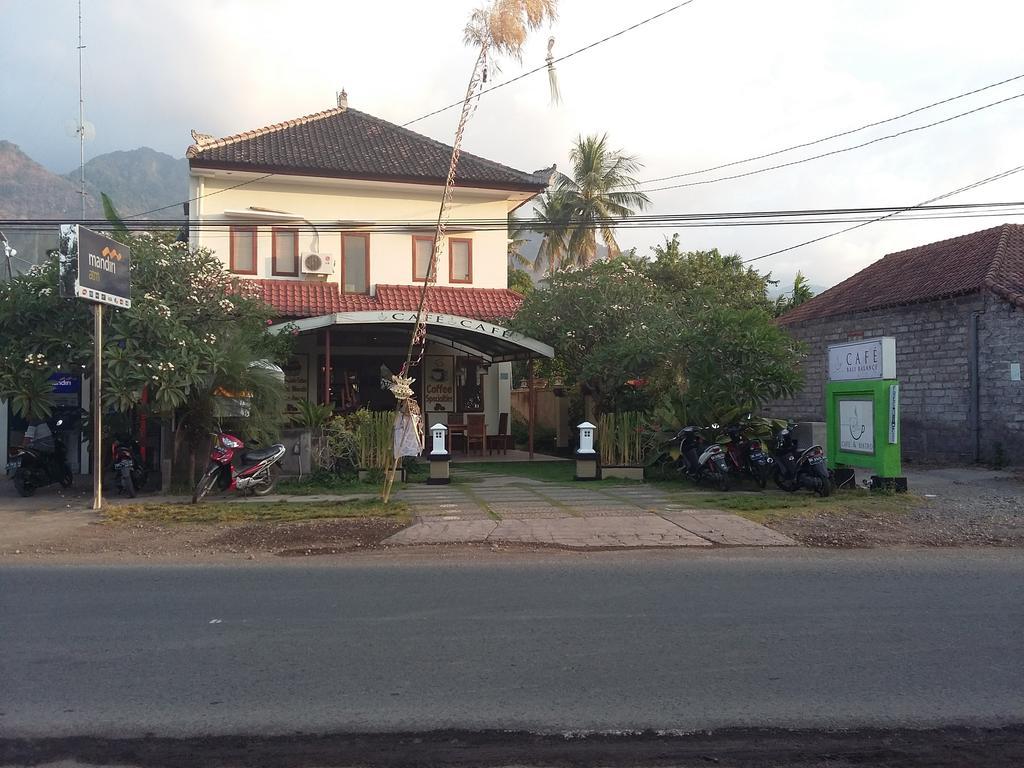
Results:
<point x="956" y="309"/>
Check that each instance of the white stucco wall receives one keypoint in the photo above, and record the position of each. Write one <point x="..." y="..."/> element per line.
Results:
<point x="333" y="200"/>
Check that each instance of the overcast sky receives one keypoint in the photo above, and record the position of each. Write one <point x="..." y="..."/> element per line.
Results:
<point x="716" y="81"/>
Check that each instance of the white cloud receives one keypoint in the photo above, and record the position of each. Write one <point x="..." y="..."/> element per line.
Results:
<point x="709" y="83"/>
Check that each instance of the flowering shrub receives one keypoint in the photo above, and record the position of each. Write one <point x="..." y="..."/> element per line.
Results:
<point x="186" y="327"/>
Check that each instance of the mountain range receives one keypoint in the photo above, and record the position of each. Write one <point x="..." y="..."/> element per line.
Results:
<point x="137" y="181"/>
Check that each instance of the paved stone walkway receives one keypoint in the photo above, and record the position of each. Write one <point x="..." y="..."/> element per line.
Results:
<point x="501" y="508"/>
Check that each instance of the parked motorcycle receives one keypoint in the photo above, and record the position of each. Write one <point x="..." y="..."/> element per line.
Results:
<point x="795" y="469"/>
<point x="130" y="472"/>
<point x="702" y="460"/>
<point x="258" y="471"/>
<point x="747" y="455"/>
<point x="40" y="463"/>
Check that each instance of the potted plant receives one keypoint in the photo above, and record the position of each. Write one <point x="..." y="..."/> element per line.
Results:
<point x="621" y="438"/>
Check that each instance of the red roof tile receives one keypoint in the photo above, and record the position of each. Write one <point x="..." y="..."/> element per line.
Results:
<point x="478" y="303"/>
<point x="992" y="259"/>
<point x="306" y="298"/>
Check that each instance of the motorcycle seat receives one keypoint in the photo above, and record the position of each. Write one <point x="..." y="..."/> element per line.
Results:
<point x="260" y="454"/>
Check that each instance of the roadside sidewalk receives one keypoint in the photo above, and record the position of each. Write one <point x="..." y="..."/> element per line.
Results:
<point x="509" y="510"/>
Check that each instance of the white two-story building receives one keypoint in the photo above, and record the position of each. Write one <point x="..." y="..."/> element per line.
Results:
<point x="332" y="217"/>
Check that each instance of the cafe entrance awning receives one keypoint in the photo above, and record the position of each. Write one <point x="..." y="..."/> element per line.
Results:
<point x="492" y="343"/>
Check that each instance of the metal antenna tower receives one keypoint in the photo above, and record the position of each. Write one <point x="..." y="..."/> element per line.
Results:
<point x="81" y="113"/>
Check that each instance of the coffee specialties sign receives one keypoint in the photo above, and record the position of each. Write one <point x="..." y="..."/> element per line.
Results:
<point x="94" y="267"/>
<point x="439" y="383"/>
<point x="867" y="359"/>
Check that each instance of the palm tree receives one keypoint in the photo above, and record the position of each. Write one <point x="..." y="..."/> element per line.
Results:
<point x="553" y="214"/>
<point x="496" y="29"/>
<point x="601" y="190"/>
<point x="801" y="292"/>
<point x="504" y="25"/>
<point x="516" y="241"/>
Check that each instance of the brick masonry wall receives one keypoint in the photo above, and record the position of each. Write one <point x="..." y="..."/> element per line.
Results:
<point x="933" y="366"/>
<point x="1001" y="342"/>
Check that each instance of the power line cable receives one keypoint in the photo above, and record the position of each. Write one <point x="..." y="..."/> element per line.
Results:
<point x="652" y="221"/>
<point x="975" y="185"/>
<point x="823" y="139"/>
<point x="545" y="66"/>
<point x="534" y="71"/>
<point x="664" y="218"/>
<point x="835" y="151"/>
<point x="198" y="197"/>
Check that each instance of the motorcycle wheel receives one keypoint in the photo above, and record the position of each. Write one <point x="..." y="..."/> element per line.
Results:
<point x="273" y="473"/>
<point x="761" y="476"/>
<point x="722" y="481"/>
<point x="789" y="486"/>
<point x="824" y="488"/>
<point x="205" y="485"/>
<point x="66" y="479"/>
<point x="21" y="485"/>
<point x="127" y="483"/>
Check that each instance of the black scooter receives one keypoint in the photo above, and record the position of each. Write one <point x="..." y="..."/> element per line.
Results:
<point x="701" y="460"/>
<point x="796" y="469"/>
<point x="130" y="472"/>
<point x="35" y="466"/>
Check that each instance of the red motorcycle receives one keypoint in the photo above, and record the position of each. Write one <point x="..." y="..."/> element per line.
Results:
<point x="747" y="455"/>
<point x="258" y="471"/>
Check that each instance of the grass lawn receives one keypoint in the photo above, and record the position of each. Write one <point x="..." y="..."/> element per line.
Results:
<point x="251" y="511"/>
<point x="317" y="484"/>
<point x="761" y="507"/>
<point x="329" y="483"/>
<point x="551" y="471"/>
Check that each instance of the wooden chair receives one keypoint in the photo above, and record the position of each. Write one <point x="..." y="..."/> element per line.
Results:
<point x="456" y="431"/>
<point x="502" y="440"/>
<point x="476" y="432"/>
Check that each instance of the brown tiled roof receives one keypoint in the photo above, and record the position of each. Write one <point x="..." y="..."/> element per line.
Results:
<point x="302" y="298"/>
<point x="347" y="143"/>
<point x="991" y="260"/>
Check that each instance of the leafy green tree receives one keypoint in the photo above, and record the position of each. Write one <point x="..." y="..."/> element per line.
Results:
<point x="191" y="334"/>
<point x="606" y="324"/>
<point x="669" y="336"/>
<point x="520" y="281"/>
<point x="601" y="190"/>
<point x="735" y="361"/>
<point x="695" y="278"/>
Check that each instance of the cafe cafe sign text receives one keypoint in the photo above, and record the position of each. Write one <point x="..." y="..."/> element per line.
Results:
<point x="866" y="359"/>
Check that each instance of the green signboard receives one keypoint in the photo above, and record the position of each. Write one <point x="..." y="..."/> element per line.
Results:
<point x="862" y="406"/>
<point x="863" y="425"/>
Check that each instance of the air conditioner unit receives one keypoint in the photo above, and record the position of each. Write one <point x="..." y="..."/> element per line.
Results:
<point x="314" y="263"/>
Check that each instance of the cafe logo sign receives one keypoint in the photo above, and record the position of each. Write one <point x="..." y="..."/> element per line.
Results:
<point x="867" y="359"/>
<point x="856" y="426"/>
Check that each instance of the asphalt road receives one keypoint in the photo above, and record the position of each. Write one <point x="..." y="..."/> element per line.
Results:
<point x="730" y="638"/>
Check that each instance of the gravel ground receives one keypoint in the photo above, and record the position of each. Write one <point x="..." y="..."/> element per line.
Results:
<point x="219" y="541"/>
<point x="958" y="507"/>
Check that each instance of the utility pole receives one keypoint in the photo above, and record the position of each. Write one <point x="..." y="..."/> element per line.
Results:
<point x="97" y="308"/>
